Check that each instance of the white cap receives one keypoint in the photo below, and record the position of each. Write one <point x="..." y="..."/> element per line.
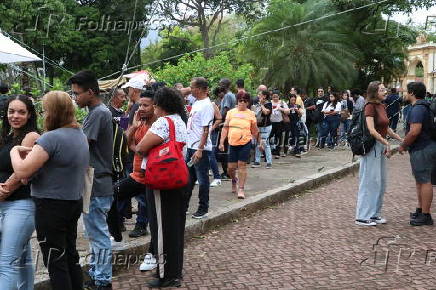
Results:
<point x="136" y="83"/>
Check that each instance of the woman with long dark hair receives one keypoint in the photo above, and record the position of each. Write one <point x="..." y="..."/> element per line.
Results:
<point x="17" y="209"/>
<point x="332" y="120"/>
<point x="372" y="170"/>
<point x="57" y="164"/>
<point x="167" y="207"/>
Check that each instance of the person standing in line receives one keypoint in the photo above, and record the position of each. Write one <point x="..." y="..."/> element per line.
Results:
<point x="169" y="206"/>
<point x="57" y="165"/>
<point x="116" y="105"/>
<point x="227" y="103"/>
<point x="17" y="209"/>
<point x="263" y="111"/>
<point x="422" y="150"/>
<point x="318" y="116"/>
<point x="358" y="100"/>
<point x="393" y="107"/>
<point x="332" y="120"/>
<point x="295" y="113"/>
<point x="240" y="86"/>
<point x="372" y="170"/>
<point x="240" y="127"/>
<point x="198" y="127"/>
<point x="214" y="132"/>
<point x="278" y="109"/>
<point x="97" y="127"/>
<point x="346" y="115"/>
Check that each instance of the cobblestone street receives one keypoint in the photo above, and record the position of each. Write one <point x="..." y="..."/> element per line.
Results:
<point x="311" y="242"/>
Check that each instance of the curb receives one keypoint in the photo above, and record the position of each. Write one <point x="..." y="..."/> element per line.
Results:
<point x="238" y="210"/>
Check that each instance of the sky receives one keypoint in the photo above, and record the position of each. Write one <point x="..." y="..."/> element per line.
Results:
<point x="417" y="16"/>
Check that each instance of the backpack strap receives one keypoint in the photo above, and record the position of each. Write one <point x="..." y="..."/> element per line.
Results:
<point x="172" y="129"/>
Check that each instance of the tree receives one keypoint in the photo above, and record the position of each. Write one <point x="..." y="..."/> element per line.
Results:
<point x="213" y="69"/>
<point x="89" y="35"/>
<point x="309" y="55"/>
<point x="206" y="14"/>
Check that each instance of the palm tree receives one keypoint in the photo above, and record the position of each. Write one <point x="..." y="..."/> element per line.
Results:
<point x="306" y="55"/>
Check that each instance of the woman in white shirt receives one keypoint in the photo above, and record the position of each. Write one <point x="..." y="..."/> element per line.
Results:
<point x="332" y="120"/>
<point x="168" y="216"/>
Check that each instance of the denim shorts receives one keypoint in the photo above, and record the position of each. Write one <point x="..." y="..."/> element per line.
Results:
<point x="422" y="162"/>
<point x="239" y="153"/>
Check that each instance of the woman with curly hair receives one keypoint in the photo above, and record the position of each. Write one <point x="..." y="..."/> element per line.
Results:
<point x="168" y="207"/>
<point x="17" y="209"/>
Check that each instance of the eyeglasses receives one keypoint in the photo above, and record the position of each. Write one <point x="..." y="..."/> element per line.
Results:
<point x="243" y="100"/>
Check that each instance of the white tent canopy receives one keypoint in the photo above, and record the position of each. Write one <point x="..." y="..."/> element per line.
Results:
<point x="12" y="52"/>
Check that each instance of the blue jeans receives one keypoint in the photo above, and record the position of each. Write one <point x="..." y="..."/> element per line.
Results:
<point x="330" y="130"/>
<point x="100" y="269"/>
<point x="344" y="129"/>
<point x="212" y="156"/>
<point x="199" y="171"/>
<point x="372" y="183"/>
<point x="264" y="134"/>
<point x="141" y="218"/>
<point x="17" y="225"/>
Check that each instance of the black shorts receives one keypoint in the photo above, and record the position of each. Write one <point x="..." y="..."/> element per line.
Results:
<point x="239" y="153"/>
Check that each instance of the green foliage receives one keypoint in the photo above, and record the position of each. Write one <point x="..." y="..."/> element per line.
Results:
<point x="310" y="55"/>
<point x="213" y="69"/>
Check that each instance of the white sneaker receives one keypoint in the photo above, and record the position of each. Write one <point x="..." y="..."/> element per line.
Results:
<point x="149" y="263"/>
<point x="215" y="182"/>
<point x="196" y="183"/>
<point x="365" y="223"/>
<point x="116" y="245"/>
<point x="379" y="220"/>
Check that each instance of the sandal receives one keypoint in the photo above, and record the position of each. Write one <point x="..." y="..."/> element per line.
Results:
<point x="234" y="185"/>
<point x="241" y="193"/>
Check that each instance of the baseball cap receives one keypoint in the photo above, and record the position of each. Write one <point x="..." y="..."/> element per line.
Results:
<point x="135" y="83"/>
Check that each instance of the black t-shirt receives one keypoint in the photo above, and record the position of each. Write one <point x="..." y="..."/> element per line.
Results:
<point x="6" y="171"/>
<point x="293" y="114"/>
<point x="116" y="114"/>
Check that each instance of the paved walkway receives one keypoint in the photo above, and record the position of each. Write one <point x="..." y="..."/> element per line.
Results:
<point x="259" y="180"/>
<point x="311" y="242"/>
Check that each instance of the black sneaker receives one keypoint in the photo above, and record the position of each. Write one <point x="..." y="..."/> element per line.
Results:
<point x="255" y="165"/>
<point x="138" y="231"/>
<point x="365" y="223"/>
<point x="225" y="177"/>
<point x="422" y="219"/>
<point x="414" y="215"/>
<point x="199" y="214"/>
<point x="164" y="283"/>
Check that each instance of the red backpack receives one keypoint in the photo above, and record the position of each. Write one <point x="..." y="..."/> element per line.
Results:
<point x="166" y="167"/>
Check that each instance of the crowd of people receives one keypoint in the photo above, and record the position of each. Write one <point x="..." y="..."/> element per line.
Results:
<point x="43" y="181"/>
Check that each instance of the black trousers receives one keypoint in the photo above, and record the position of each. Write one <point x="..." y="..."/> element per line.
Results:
<point x="276" y="137"/>
<point x="56" y="230"/>
<point x="292" y="134"/>
<point x="173" y="204"/>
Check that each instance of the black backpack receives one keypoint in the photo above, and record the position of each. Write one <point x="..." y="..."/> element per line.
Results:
<point x="359" y="138"/>
<point x="432" y="111"/>
<point x="120" y="150"/>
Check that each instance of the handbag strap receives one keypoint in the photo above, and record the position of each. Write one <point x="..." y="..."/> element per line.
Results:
<point x="172" y="129"/>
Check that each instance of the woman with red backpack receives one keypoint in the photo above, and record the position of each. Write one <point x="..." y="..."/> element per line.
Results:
<point x="166" y="194"/>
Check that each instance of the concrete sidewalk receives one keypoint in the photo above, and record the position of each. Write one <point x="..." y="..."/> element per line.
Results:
<point x="262" y="185"/>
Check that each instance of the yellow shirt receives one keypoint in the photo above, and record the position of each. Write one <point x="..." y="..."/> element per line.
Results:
<point x="240" y="123"/>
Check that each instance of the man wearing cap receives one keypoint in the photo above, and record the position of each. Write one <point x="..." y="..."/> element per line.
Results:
<point x="135" y="86"/>
<point x="4" y="90"/>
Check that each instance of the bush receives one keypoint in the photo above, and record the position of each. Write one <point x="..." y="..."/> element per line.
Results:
<point x="213" y="69"/>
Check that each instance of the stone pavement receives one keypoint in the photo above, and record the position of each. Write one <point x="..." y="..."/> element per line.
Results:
<point x="311" y="242"/>
<point x="259" y="180"/>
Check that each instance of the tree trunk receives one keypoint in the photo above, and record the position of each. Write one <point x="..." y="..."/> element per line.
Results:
<point x="206" y="41"/>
